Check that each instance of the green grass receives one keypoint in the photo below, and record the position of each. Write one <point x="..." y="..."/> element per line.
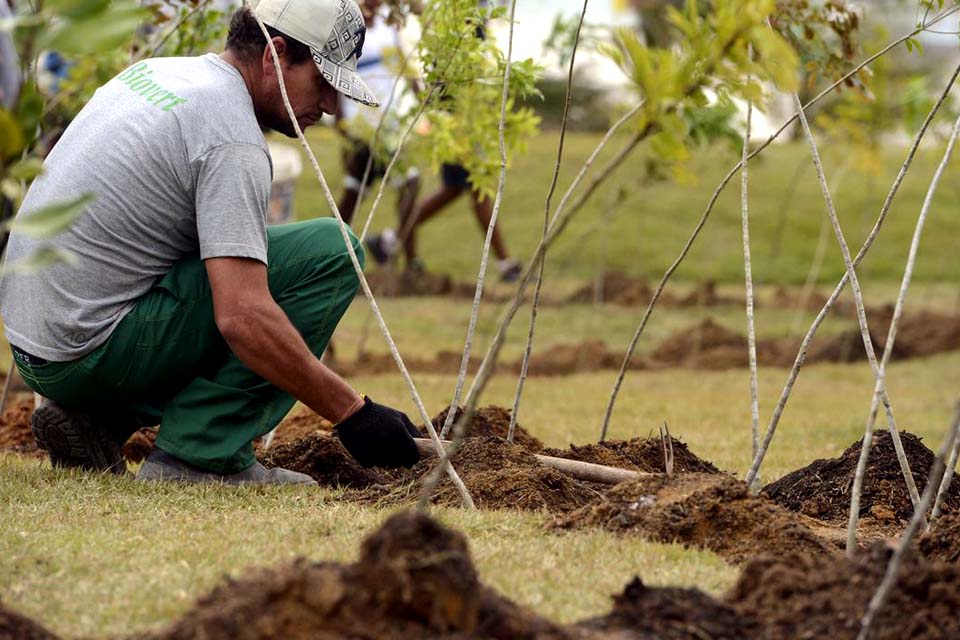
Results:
<point x="96" y="555"/>
<point x="90" y="555"/>
<point x="644" y="234"/>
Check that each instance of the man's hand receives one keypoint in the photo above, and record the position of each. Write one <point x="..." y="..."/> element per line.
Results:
<point x="378" y="436"/>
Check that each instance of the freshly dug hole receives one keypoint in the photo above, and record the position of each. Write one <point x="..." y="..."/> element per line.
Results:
<point x="822" y="488"/>
<point x="823" y="596"/>
<point x="706" y="511"/>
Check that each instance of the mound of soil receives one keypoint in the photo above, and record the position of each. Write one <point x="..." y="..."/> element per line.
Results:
<point x="489" y="421"/>
<point x="819" y="596"/>
<point x="822" y="488"/>
<point x="15" y="434"/>
<point x="565" y="359"/>
<point x="645" y="613"/>
<point x="615" y="287"/>
<point x="500" y="475"/>
<point x="706" y="345"/>
<point x="299" y="423"/>
<point x="323" y="458"/>
<point x="942" y="541"/>
<point x="414" y="579"/>
<point x="708" y="511"/>
<point x="639" y="454"/>
<point x="19" y="627"/>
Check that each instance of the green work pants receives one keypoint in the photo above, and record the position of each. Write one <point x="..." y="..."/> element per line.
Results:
<point x="166" y="362"/>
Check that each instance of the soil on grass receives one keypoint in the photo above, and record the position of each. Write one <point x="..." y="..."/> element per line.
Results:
<point x="707" y="345"/>
<point x="414" y="579"/>
<point x="825" y="596"/>
<point x="139" y="445"/>
<point x="648" y="613"/>
<point x="14" y="626"/>
<point x="323" y="458"/>
<point x="822" y="489"/>
<point x="578" y="357"/>
<point x="299" y="423"/>
<point x="942" y="541"/>
<point x="616" y="287"/>
<point x="500" y="475"/>
<point x="15" y="434"/>
<point x="707" y="511"/>
<point x="639" y="454"/>
<point x="489" y="421"/>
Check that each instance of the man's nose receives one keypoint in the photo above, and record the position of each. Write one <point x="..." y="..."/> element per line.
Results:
<point x="329" y="102"/>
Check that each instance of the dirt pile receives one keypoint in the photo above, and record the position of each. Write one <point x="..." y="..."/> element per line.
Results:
<point x="615" y="287"/>
<point x="489" y="421"/>
<point x="820" y="596"/>
<point x="645" y="613"/>
<point x="414" y="579"/>
<point x="501" y="475"/>
<point x="323" y="458"/>
<point x="639" y="454"/>
<point x="942" y="541"/>
<point x="15" y="434"/>
<point x="707" y="345"/>
<point x="707" y="511"/>
<point x="579" y="357"/>
<point x="14" y="626"/>
<point x="822" y="488"/>
<point x="300" y="422"/>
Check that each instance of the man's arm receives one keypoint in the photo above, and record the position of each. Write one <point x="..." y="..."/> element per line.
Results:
<point x="264" y="339"/>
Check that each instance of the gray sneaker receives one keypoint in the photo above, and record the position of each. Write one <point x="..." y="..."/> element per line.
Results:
<point x="74" y="440"/>
<point x="160" y="466"/>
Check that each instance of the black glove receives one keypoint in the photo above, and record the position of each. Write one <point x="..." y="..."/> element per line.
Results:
<point x="378" y="436"/>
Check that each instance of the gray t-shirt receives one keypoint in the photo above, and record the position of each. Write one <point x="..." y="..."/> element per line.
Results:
<point x="173" y="153"/>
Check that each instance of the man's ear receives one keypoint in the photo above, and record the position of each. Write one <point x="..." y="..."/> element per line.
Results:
<point x="267" y="59"/>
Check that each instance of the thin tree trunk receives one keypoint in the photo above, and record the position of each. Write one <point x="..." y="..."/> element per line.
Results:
<point x="864" y="333"/>
<point x="748" y="280"/>
<point x="828" y="305"/>
<point x="893" y="567"/>
<point x="441" y="452"/>
<point x="546" y="224"/>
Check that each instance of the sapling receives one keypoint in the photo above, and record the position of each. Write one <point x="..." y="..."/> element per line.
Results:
<point x="546" y="223"/>
<point x="441" y="452"/>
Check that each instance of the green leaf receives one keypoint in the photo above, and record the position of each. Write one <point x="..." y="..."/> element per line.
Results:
<point x="99" y="33"/>
<point x="51" y="220"/>
<point x="11" y="137"/>
<point x="27" y="169"/>
<point x="11" y="189"/>
<point x="78" y="8"/>
<point x="42" y="258"/>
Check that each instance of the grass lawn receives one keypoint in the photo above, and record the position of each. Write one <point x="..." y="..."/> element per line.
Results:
<point x="90" y="555"/>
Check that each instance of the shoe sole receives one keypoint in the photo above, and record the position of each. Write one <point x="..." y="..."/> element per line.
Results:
<point x="72" y="441"/>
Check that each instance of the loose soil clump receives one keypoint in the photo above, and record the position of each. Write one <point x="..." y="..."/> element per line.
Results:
<point x="323" y="458"/>
<point x="414" y="579"/>
<point x="489" y="421"/>
<point x="822" y="488"/>
<point x="823" y="596"/>
<point x="646" y="613"/>
<point x="639" y="454"/>
<point x="500" y="475"/>
<point x="19" y="627"/>
<point x="615" y="287"/>
<point x="139" y="445"/>
<point x="942" y="541"/>
<point x="15" y="433"/>
<point x="707" y="511"/>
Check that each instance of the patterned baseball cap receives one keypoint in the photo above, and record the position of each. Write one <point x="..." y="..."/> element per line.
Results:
<point x="333" y="29"/>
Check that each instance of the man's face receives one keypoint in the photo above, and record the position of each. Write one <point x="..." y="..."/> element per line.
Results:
<point x="310" y="95"/>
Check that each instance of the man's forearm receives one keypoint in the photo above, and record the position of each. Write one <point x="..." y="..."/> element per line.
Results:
<point x="265" y="340"/>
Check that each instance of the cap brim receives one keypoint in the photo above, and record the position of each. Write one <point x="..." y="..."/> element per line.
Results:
<point x="345" y="81"/>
